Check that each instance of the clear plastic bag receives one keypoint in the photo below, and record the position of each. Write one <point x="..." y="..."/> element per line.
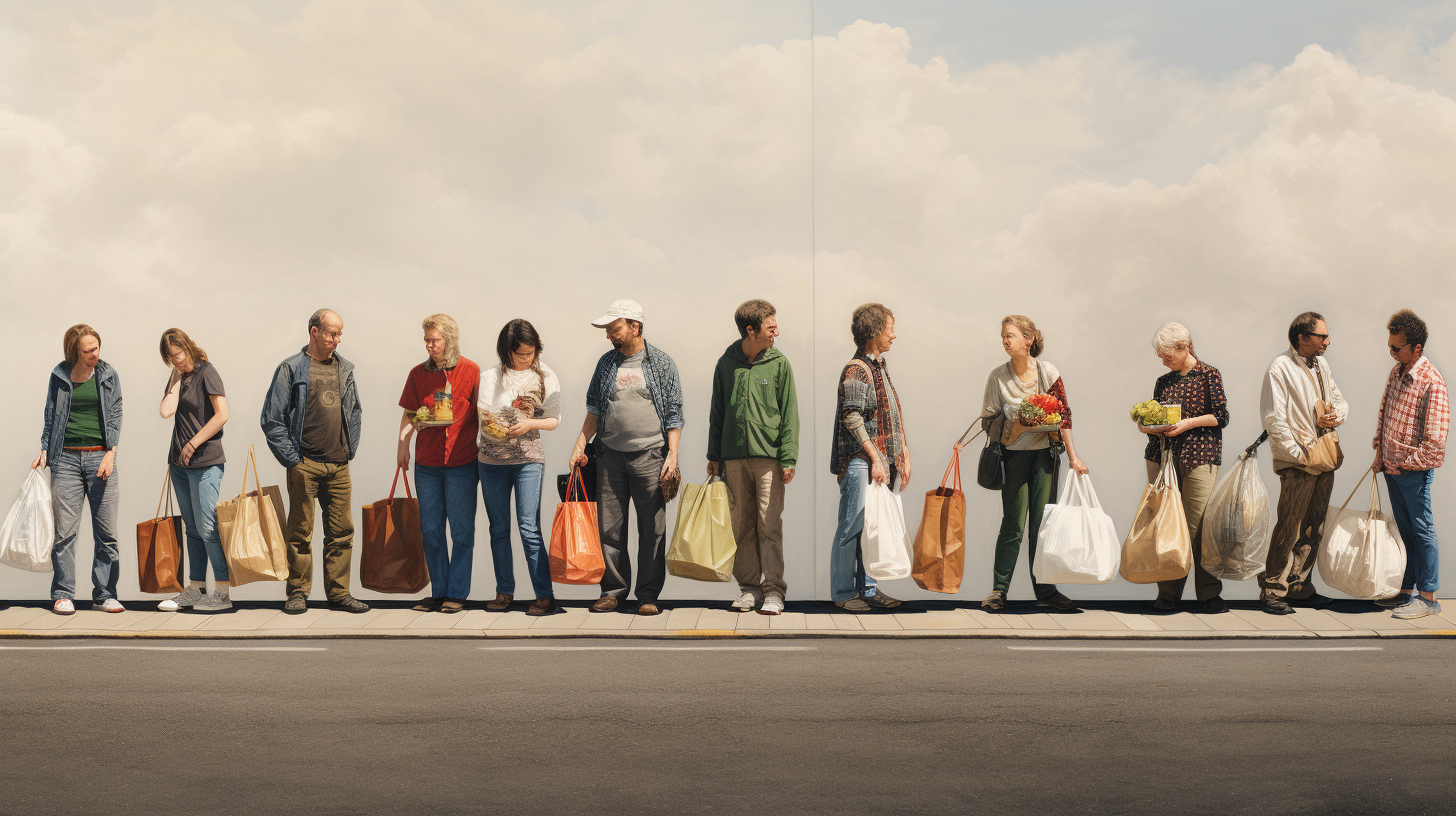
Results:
<point x="30" y="528"/>
<point x="1237" y="524"/>
<point x="1077" y="543"/>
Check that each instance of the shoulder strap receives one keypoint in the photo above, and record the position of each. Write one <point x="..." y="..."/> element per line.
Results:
<point x="1041" y="383"/>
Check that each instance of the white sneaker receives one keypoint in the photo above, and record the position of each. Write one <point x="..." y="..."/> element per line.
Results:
<point x="186" y="600"/>
<point x="746" y="602"/>
<point x="109" y="605"/>
<point x="772" y="605"/>
<point x="218" y="601"/>
<point x="64" y="606"/>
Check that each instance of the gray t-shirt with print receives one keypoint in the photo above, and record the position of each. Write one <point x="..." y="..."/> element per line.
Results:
<point x="631" y="422"/>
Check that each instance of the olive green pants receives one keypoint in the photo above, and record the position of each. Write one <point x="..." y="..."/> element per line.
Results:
<point x="1024" y="497"/>
<point x="310" y="482"/>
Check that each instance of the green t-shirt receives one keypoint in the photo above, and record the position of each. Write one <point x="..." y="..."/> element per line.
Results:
<point x="83" y="426"/>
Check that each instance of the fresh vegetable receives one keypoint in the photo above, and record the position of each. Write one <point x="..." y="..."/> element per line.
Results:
<point x="1150" y="413"/>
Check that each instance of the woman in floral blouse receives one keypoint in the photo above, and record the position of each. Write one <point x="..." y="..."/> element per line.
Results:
<point x="1196" y="444"/>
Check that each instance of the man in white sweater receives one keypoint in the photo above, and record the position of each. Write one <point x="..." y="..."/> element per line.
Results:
<point x="1300" y="404"/>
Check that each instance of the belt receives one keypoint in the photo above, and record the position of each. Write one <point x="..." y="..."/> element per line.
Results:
<point x="88" y="450"/>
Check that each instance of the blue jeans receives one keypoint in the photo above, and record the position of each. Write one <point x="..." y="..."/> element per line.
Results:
<point x="846" y="562"/>
<point x="447" y="494"/>
<point x="74" y="483"/>
<point x="1410" y="498"/>
<point x="197" y="490"/>
<point x="496" y="483"/>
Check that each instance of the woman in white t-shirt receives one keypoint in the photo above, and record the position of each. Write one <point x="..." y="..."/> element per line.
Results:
<point x="518" y="400"/>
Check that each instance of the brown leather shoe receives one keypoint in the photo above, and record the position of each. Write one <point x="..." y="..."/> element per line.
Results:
<point x="606" y="603"/>
<point x="450" y="606"/>
<point x="501" y="603"/>
<point x="543" y="606"/>
<point x="648" y="609"/>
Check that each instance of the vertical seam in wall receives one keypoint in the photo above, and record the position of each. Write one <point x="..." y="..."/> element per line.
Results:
<point x="813" y="311"/>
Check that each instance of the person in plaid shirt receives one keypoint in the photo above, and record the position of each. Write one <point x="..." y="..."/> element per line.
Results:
<point x="1410" y="443"/>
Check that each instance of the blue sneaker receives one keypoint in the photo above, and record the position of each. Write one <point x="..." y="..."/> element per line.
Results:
<point x="1417" y="608"/>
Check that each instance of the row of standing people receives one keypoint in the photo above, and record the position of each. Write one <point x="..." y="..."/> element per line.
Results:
<point x="312" y="422"/>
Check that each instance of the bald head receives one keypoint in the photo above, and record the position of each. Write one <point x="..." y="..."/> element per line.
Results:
<point x="325" y="329"/>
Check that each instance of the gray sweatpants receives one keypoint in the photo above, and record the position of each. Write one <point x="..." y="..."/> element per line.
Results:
<point x="634" y="477"/>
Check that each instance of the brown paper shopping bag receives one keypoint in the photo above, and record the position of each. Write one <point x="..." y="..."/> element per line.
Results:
<point x="159" y="546"/>
<point x="251" y="529"/>
<point x="1157" y="547"/>
<point x="940" y="543"/>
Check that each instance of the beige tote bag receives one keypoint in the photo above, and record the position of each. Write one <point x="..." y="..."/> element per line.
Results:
<point x="1157" y="547"/>
<point x="251" y="531"/>
<point x="1322" y="454"/>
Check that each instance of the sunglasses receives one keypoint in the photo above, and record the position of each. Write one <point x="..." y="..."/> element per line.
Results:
<point x="1320" y="336"/>
<point x="1396" y="349"/>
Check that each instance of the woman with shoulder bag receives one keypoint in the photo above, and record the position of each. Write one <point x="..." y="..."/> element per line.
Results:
<point x="1029" y="458"/>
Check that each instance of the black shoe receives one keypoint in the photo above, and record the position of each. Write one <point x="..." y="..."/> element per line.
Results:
<point x="297" y="604"/>
<point x="1165" y="605"/>
<point x="1057" y="601"/>
<point x="1274" y="606"/>
<point x="880" y="600"/>
<point x="1215" y="606"/>
<point x="349" y="603"/>
<point x="1314" y="601"/>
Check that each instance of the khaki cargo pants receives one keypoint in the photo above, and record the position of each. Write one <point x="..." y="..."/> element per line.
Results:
<point x="329" y="485"/>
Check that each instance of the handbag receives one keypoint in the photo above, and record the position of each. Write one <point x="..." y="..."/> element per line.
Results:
<point x="1157" y="547"/>
<point x="1362" y="553"/>
<point x="575" y="556"/>
<point x="251" y="530"/>
<point x="990" y="469"/>
<point x="940" y="543"/>
<point x="1322" y="454"/>
<point x="393" y="559"/>
<point x="159" y="546"/>
<point x="702" y="547"/>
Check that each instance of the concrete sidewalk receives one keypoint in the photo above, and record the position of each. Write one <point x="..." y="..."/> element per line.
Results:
<point x="695" y="619"/>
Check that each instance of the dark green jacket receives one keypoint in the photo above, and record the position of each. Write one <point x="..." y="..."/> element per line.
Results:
<point x="755" y="412"/>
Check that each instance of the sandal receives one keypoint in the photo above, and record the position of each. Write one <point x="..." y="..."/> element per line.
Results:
<point x="501" y="603"/>
<point x="995" y="602"/>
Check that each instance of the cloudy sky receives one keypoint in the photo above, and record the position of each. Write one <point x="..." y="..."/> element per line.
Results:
<point x="230" y="167"/>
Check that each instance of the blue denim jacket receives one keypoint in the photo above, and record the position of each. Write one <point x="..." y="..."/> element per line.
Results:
<point x="58" y="407"/>
<point x="658" y="370"/>
<point x="284" y="404"/>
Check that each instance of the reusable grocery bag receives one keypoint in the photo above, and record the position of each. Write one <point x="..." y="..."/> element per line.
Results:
<point x="1362" y="554"/>
<point x="159" y="546"/>
<point x="251" y="530"/>
<point x="1236" y="523"/>
<point x="702" y="540"/>
<point x="576" y="543"/>
<point x="30" y="528"/>
<point x="1077" y="543"/>
<point x="1157" y="547"/>
<point x="393" y="559"/>
<point x="940" y="543"/>
<point x="885" y="543"/>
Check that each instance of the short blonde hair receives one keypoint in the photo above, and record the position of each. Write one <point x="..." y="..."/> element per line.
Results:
<point x="1170" y="336"/>
<point x="448" y="329"/>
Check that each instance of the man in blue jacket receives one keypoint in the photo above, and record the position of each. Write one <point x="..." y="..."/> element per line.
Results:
<point x="311" y="420"/>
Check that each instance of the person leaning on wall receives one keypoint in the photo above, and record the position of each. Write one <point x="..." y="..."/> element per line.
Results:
<point x="1300" y="405"/>
<point x="445" y="472"/>
<point x="1410" y="443"/>
<point x="78" y="441"/>
<point x="634" y="408"/>
<point x="1196" y="443"/>
<point x="312" y="420"/>
<point x="869" y="446"/>
<point x="753" y="444"/>
<point x="1030" y="459"/>
<point x="195" y="401"/>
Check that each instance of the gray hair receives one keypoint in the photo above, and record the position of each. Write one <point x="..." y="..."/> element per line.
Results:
<point x="1171" y="335"/>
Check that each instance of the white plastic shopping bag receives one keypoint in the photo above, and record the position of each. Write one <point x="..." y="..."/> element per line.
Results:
<point x="1236" y="524"/>
<point x="1362" y="554"/>
<point x="885" y="543"/>
<point x="30" y="528"/>
<point x="1077" y="543"/>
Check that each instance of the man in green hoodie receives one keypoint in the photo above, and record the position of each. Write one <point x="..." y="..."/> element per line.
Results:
<point x="753" y="444"/>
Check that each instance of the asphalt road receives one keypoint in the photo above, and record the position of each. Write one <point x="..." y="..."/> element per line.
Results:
<point x="793" y="727"/>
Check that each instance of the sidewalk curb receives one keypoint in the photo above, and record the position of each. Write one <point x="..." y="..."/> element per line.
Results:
<point x="710" y="634"/>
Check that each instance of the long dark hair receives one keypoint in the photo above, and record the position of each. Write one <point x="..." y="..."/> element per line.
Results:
<point x="520" y="332"/>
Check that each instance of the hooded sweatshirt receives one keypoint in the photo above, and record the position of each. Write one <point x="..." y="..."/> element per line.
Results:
<point x="755" y="411"/>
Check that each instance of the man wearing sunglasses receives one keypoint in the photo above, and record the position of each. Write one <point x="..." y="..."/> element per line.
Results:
<point x="1301" y="407"/>
<point x="1410" y="443"/>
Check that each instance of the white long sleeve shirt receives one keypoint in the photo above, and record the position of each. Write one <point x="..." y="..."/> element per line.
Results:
<point x="1287" y="405"/>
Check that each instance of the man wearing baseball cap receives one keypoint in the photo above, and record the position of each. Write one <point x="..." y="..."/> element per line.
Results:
<point x="634" y="409"/>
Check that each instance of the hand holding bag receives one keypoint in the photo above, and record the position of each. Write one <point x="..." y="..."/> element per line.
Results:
<point x="1077" y="542"/>
<point x="251" y="530"/>
<point x="1157" y="547"/>
<point x="702" y="546"/>
<point x="575" y="556"/>
<point x="1322" y="454"/>
<point x="30" y="527"/>
<point x="940" y="543"/>
<point x="393" y="559"/>
<point x="159" y="546"/>
<point x="1362" y="554"/>
<point x="885" y="543"/>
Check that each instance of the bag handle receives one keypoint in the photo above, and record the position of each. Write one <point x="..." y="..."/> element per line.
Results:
<point x="574" y="482"/>
<point x="953" y="468"/>
<point x="407" y="494"/>
<point x="1357" y="487"/>
<point x="1374" y="499"/>
<point x="166" y="495"/>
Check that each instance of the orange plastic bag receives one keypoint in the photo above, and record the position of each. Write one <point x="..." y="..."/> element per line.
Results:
<point x="940" y="543"/>
<point x="576" y="541"/>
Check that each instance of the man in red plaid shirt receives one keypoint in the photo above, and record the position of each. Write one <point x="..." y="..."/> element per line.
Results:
<point x="1410" y="443"/>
